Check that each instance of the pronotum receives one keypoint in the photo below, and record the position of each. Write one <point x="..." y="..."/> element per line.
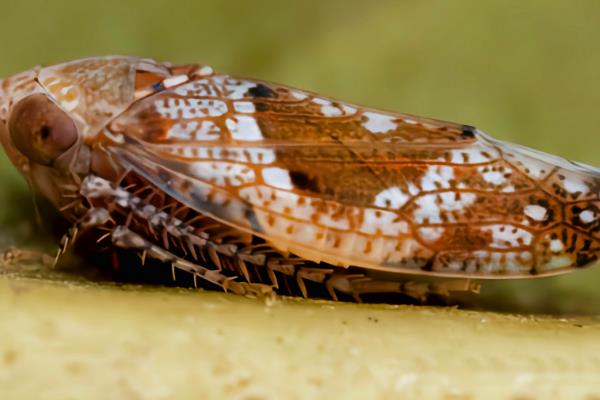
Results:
<point x="260" y="188"/>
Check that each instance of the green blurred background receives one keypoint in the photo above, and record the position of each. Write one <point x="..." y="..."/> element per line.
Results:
<point x="526" y="72"/>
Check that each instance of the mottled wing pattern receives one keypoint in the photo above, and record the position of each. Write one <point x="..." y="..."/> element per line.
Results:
<point x="350" y="186"/>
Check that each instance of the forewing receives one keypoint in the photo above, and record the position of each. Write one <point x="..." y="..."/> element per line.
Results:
<point x="351" y="186"/>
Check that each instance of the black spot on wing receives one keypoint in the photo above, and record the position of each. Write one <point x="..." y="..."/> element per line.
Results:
<point x="468" y="131"/>
<point x="261" y="91"/>
<point x="304" y="182"/>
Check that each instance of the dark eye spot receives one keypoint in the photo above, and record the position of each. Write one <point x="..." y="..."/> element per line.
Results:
<point x="44" y="132"/>
<point x="40" y="129"/>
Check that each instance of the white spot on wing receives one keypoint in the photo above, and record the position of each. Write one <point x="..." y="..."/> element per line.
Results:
<point x="429" y="211"/>
<point x="493" y="177"/>
<point x="206" y="130"/>
<point x="587" y="216"/>
<point x="205" y="70"/>
<point x="222" y="173"/>
<point x="437" y="177"/>
<point x="556" y="245"/>
<point x="235" y="89"/>
<point x="505" y="236"/>
<point x="328" y="109"/>
<point x="378" y="123"/>
<point x="393" y="198"/>
<point x="556" y="262"/>
<point x="382" y="222"/>
<point x="573" y="185"/>
<point x="298" y="95"/>
<point x="431" y="234"/>
<point x="535" y="212"/>
<point x="473" y="155"/>
<point x="244" y="107"/>
<point x="244" y="127"/>
<point x="190" y="108"/>
<point x="277" y="177"/>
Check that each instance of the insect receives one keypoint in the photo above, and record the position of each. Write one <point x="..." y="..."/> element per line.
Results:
<point x="260" y="188"/>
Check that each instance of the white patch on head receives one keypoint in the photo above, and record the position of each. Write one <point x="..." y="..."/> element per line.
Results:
<point x="505" y="236"/>
<point x="587" y="216"/>
<point x="277" y="177"/>
<point x="379" y="123"/>
<point x="431" y="234"/>
<point x="69" y="105"/>
<point x="556" y="245"/>
<point x="437" y="177"/>
<point x="222" y="173"/>
<point x="536" y="212"/>
<point x="392" y="198"/>
<point x="243" y="127"/>
<point x="173" y="108"/>
<point x="244" y="107"/>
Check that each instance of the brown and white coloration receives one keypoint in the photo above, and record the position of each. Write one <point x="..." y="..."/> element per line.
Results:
<point x="247" y="184"/>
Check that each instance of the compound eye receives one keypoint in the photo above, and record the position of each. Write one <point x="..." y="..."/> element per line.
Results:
<point x="40" y="129"/>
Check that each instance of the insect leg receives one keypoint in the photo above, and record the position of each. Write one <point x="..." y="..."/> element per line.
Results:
<point x="123" y="237"/>
<point x="359" y="284"/>
<point x="94" y="217"/>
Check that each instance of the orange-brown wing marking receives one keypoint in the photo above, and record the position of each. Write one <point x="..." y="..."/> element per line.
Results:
<point x="348" y="185"/>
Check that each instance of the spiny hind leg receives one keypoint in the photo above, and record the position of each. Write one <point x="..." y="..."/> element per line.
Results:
<point x="94" y="218"/>
<point x="124" y="238"/>
<point x="357" y="285"/>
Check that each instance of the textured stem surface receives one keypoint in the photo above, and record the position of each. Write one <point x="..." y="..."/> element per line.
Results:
<point x="80" y="340"/>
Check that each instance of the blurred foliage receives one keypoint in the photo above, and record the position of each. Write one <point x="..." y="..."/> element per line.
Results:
<point x="523" y="71"/>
